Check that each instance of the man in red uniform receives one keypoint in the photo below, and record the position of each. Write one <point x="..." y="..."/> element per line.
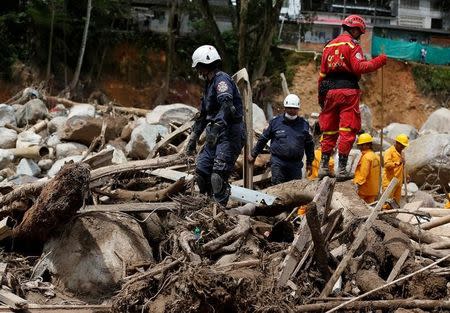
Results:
<point x="342" y="64"/>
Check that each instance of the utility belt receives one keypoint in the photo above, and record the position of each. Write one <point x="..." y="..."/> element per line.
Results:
<point x="338" y="80"/>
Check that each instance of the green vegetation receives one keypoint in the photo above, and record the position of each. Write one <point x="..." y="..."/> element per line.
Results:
<point x="433" y="81"/>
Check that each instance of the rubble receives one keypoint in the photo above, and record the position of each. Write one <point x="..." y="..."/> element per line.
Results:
<point x="8" y="138"/>
<point x="119" y="226"/>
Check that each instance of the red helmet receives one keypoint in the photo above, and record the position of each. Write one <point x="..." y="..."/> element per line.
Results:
<point x="355" y="21"/>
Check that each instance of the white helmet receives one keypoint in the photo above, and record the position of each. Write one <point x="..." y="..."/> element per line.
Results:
<point x="205" y="54"/>
<point x="292" y="101"/>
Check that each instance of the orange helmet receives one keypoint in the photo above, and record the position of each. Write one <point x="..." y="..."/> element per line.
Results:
<point x="355" y="21"/>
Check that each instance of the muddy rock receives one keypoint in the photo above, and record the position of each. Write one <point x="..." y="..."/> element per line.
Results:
<point x="395" y="129"/>
<point x="428" y="155"/>
<point x="99" y="245"/>
<point x="7" y="115"/>
<point x="28" y="167"/>
<point x="27" y="139"/>
<point x="8" y="138"/>
<point x="66" y="149"/>
<point x="438" y="122"/>
<point x="143" y="139"/>
<point x="45" y="164"/>
<point x="31" y="112"/>
<point x="165" y="114"/>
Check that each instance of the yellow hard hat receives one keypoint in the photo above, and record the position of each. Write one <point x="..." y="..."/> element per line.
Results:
<point x="364" y="138"/>
<point x="403" y="139"/>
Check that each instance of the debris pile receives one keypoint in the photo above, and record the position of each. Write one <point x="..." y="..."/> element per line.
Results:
<point x="105" y="195"/>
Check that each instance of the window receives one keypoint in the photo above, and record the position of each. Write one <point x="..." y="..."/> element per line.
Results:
<point x="436" y="23"/>
<point x="409" y="4"/>
<point x="436" y="5"/>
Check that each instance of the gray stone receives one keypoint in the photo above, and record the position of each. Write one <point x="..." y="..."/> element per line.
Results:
<point x="57" y="124"/>
<point x="45" y="164"/>
<point x="438" y="122"/>
<point x="395" y="129"/>
<point x="28" y="139"/>
<point x="7" y="115"/>
<point x="6" y="158"/>
<point x="96" y="263"/>
<point x="69" y="149"/>
<point x="8" y="138"/>
<point x="31" y="112"/>
<point x="119" y="156"/>
<point x="165" y="114"/>
<point x="143" y="139"/>
<point x="58" y="164"/>
<point x="366" y="118"/>
<point x="28" y="167"/>
<point x="53" y="140"/>
<point x="83" y="109"/>
<point x="427" y="156"/>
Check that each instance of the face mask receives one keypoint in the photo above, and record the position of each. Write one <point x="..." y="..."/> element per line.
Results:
<point x="290" y="117"/>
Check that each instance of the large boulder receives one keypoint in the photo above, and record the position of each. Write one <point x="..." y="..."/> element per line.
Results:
<point x="395" y="129"/>
<point x="8" y="138"/>
<point x="165" y="114"/>
<point x="99" y="245"/>
<point x="31" y="112"/>
<point x="143" y="139"/>
<point x="427" y="156"/>
<point x="28" y="167"/>
<point x="7" y="115"/>
<point x="437" y="122"/>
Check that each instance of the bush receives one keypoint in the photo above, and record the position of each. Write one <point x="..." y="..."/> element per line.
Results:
<point x="433" y="81"/>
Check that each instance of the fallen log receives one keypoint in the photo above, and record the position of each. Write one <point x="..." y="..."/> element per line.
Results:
<point x="435" y="223"/>
<point x="131" y="207"/>
<point x="23" y="191"/>
<point x="69" y="103"/>
<point x="359" y="239"/>
<point x="377" y="305"/>
<point x="185" y="238"/>
<point x="57" y="204"/>
<point x="241" y="264"/>
<point x="241" y="230"/>
<point x="146" y="196"/>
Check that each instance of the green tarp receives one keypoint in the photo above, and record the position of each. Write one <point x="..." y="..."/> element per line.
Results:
<point x="404" y="50"/>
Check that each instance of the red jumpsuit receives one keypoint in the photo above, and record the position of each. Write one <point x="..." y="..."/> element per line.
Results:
<point x="343" y="63"/>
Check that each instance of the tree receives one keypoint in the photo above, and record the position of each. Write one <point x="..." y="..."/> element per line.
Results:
<point x="76" y="75"/>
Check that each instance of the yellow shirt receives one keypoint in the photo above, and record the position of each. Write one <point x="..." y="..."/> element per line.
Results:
<point x="316" y="164"/>
<point x="393" y="166"/>
<point x="367" y="174"/>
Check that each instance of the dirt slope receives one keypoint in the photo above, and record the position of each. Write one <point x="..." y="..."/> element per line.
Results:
<point x="403" y="103"/>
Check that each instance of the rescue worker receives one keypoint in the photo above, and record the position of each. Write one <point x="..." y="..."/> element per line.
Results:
<point x="367" y="173"/>
<point x="221" y="114"/>
<point x="289" y="140"/>
<point x="342" y="64"/>
<point x="394" y="164"/>
<point x="315" y="164"/>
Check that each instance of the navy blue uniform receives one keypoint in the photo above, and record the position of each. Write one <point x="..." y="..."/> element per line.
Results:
<point x="221" y="114"/>
<point x="290" y="139"/>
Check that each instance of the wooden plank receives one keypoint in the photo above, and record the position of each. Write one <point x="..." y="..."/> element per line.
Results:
<point x="359" y="239"/>
<point x="131" y="207"/>
<point x="436" y="222"/>
<point x="241" y="77"/>
<point x="398" y="266"/>
<point x="303" y="235"/>
<point x="12" y="300"/>
<point x="169" y="137"/>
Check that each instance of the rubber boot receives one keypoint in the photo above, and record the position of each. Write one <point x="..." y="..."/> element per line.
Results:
<point x="324" y="167"/>
<point x="342" y="173"/>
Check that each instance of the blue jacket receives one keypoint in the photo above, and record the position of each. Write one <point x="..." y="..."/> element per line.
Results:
<point x="290" y="139"/>
<point x="219" y="92"/>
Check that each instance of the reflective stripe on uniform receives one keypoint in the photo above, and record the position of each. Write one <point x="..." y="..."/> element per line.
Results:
<point x="331" y="132"/>
<point x="339" y="44"/>
<point x="345" y="129"/>
<point x="322" y="74"/>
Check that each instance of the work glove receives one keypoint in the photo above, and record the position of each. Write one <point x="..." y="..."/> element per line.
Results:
<point x="382" y="59"/>
<point x="191" y="146"/>
<point x="229" y="109"/>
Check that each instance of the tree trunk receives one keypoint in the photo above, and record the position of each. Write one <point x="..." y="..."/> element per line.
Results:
<point x="242" y="60"/>
<point x="205" y="10"/>
<point x="50" y="44"/>
<point x="263" y="46"/>
<point x="172" y="29"/>
<point x="76" y="75"/>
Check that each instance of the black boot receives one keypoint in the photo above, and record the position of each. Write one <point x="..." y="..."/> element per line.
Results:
<point x="342" y="173"/>
<point x="324" y="168"/>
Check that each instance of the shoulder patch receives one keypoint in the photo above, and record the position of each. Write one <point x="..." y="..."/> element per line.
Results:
<point x="222" y="86"/>
<point x="358" y="56"/>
